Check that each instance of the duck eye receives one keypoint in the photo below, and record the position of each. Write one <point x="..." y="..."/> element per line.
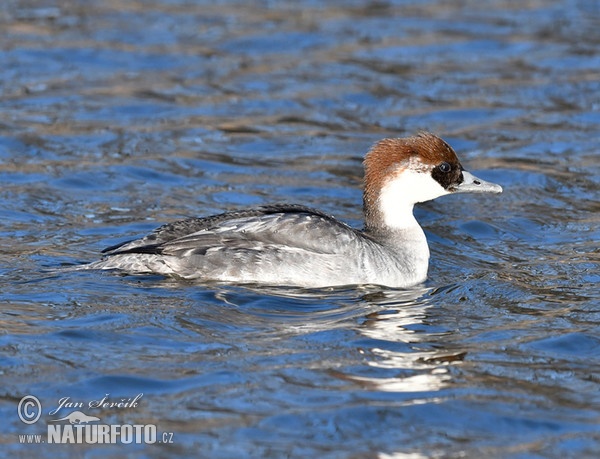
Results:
<point x="445" y="167"/>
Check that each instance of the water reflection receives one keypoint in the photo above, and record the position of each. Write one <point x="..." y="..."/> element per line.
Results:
<point x="401" y="341"/>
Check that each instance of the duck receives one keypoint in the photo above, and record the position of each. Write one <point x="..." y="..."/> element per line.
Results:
<point x="295" y="245"/>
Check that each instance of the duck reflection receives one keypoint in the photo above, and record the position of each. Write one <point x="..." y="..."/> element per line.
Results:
<point x="403" y="343"/>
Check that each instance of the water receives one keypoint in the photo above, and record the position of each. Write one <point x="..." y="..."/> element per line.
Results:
<point x="117" y="117"/>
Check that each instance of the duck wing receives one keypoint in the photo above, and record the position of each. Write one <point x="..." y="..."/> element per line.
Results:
<point x="284" y="227"/>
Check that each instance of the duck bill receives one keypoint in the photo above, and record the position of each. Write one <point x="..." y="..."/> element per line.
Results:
<point x="472" y="184"/>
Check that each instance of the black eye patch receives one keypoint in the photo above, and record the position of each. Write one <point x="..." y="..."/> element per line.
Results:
<point x="447" y="175"/>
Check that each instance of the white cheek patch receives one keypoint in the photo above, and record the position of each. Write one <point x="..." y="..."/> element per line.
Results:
<point x="402" y="192"/>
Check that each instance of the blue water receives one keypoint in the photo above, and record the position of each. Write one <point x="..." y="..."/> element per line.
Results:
<point x="117" y="117"/>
